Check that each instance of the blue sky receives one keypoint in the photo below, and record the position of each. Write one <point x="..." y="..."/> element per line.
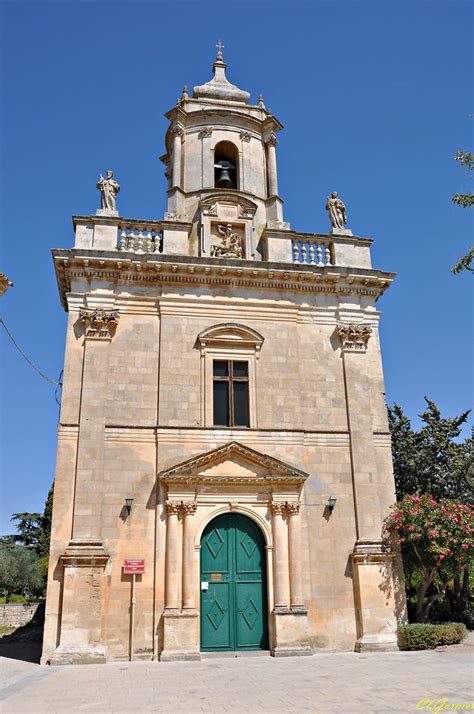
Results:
<point x="375" y="98"/>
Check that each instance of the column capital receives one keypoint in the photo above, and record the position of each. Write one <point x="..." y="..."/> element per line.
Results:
<point x="271" y="140"/>
<point x="293" y="509"/>
<point x="173" y="507"/>
<point x="177" y="130"/>
<point x="278" y="508"/>
<point x="205" y="133"/>
<point x="188" y="508"/>
<point x="354" y="336"/>
<point x="99" y="323"/>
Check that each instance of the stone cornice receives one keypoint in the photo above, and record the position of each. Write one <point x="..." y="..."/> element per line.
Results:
<point x="157" y="269"/>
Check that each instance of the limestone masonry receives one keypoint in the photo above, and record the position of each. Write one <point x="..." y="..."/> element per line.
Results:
<point x="223" y="415"/>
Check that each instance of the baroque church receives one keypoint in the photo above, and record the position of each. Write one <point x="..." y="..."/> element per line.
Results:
<point x="224" y="462"/>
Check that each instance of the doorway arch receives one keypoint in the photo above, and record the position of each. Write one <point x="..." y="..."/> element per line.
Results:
<point x="233" y="577"/>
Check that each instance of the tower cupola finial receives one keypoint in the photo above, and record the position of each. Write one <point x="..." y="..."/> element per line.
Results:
<point x="220" y="47"/>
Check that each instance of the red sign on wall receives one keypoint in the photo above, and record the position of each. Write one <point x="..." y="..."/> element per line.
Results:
<point x="135" y="565"/>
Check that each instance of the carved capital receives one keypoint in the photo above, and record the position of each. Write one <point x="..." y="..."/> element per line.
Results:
<point x="99" y="323"/>
<point x="173" y="507"/>
<point x="354" y="336"/>
<point x="245" y="136"/>
<point x="205" y="133"/>
<point x="271" y="140"/>
<point x="278" y="508"/>
<point x="292" y="509"/>
<point x="189" y="508"/>
<point x="177" y="130"/>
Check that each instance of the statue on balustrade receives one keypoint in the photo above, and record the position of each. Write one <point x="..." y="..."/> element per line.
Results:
<point x="337" y="211"/>
<point x="109" y="189"/>
<point x="230" y="245"/>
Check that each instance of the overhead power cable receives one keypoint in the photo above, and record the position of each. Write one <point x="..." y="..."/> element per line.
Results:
<point x="54" y="382"/>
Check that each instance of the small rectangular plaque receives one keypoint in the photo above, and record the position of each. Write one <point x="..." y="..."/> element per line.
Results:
<point x="216" y="577"/>
<point x="135" y="565"/>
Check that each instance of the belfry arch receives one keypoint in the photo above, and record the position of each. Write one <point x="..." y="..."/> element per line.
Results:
<point x="226" y="165"/>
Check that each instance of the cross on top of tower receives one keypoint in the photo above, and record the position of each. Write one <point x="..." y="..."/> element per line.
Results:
<point x="220" y="47"/>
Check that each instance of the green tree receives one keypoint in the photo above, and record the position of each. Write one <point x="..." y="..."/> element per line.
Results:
<point x="437" y="542"/>
<point x="44" y="535"/>
<point x="431" y="460"/>
<point x="466" y="200"/>
<point x="19" y="571"/>
<point x="28" y="526"/>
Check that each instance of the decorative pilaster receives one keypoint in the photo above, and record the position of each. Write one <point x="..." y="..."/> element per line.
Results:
<point x="281" y="586"/>
<point x="172" y="551"/>
<point x="375" y="588"/>
<point x="188" y="510"/>
<point x="81" y="607"/>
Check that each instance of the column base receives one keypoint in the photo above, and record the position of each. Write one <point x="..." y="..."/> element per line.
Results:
<point x="180" y="636"/>
<point x="376" y="643"/>
<point x="290" y="632"/>
<point x="86" y="654"/>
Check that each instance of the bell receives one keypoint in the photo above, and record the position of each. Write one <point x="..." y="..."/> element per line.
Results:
<point x="224" y="179"/>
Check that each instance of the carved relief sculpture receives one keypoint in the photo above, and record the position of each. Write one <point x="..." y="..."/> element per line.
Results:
<point x="230" y="245"/>
<point x="109" y="189"/>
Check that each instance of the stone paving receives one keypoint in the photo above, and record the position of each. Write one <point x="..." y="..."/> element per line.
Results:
<point x="326" y="682"/>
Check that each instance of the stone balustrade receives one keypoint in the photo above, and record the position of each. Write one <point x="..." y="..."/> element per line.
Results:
<point x="312" y="251"/>
<point x="140" y="238"/>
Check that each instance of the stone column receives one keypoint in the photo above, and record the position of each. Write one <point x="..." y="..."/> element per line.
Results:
<point x="172" y="551"/>
<point x="294" y="552"/>
<point x="177" y="132"/>
<point x="281" y="586"/>
<point x="271" y="166"/>
<point x="189" y="509"/>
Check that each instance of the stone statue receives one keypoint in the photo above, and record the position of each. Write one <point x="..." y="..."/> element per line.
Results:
<point x="337" y="211"/>
<point x="109" y="189"/>
<point x="230" y="246"/>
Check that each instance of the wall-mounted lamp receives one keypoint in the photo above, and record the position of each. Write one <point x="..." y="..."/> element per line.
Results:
<point x="331" y="503"/>
<point x="128" y="504"/>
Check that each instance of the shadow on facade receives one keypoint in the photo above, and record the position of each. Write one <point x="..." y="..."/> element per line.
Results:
<point x="26" y="642"/>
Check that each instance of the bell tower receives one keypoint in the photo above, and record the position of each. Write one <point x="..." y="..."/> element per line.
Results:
<point x="222" y="171"/>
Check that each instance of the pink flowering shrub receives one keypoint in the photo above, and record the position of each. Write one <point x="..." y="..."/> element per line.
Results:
<point x="436" y="538"/>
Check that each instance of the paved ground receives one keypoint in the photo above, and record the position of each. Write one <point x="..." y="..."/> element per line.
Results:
<point x="341" y="682"/>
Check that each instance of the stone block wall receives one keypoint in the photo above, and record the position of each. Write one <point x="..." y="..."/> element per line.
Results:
<point x="16" y="614"/>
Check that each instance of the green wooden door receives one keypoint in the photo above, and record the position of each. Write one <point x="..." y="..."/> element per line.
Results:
<point x="233" y="585"/>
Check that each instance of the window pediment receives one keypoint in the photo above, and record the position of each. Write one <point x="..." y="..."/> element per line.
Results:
<point x="230" y="334"/>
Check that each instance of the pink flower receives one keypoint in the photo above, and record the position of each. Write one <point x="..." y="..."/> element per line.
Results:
<point x="411" y="529"/>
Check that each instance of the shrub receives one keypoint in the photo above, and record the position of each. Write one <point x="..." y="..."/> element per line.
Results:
<point x="20" y="599"/>
<point x="427" y="637"/>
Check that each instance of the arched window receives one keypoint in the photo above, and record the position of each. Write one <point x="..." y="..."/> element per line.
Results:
<point x="226" y="162"/>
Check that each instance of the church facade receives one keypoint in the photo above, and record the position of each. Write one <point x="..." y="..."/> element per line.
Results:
<point x="224" y="461"/>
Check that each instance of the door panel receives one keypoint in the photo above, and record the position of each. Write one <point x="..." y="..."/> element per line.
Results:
<point x="234" y="605"/>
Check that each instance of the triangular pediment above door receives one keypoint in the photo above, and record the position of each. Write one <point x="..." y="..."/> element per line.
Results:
<point x="233" y="463"/>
